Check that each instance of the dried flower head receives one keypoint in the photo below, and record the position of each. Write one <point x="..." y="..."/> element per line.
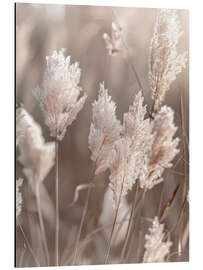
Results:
<point x="156" y="248"/>
<point x="129" y="152"/>
<point x="163" y="150"/>
<point x="164" y="61"/>
<point x="19" y="199"/>
<point x="59" y="93"/>
<point x="104" y="130"/>
<point x="114" y="43"/>
<point x="36" y="156"/>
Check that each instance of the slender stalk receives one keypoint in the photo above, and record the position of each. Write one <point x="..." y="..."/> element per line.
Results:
<point x="22" y="255"/>
<point x="41" y="222"/>
<point x="184" y="194"/>
<point x="185" y="235"/>
<point x="141" y="205"/>
<point x="111" y="236"/>
<point x="128" y="61"/>
<point x="161" y="200"/>
<point x="129" y="225"/>
<point x="57" y="205"/>
<point x="113" y="227"/>
<point x="89" y="237"/>
<point x="184" y="151"/>
<point x="81" y="225"/>
<point x="85" y="208"/>
<point x="28" y="244"/>
<point x="83" y="219"/>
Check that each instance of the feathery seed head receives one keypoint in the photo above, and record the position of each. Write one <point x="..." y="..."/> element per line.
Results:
<point x="164" y="61"/>
<point x="163" y="149"/>
<point x="104" y="130"/>
<point x="36" y="156"/>
<point x="59" y="93"/>
<point x="128" y="154"/>
<point x="156" y="248"/>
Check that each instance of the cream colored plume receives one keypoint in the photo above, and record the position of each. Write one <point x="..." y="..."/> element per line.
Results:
<point x="156" y="245"/>
<point x="36" y="156"/>
<point x="59" y="93"/>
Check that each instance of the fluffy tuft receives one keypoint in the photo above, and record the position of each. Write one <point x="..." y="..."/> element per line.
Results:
<point x="163" y="150"/>
<point x="164" y="61"/>
<point x="105" y="129"/>
<point x="59" y="93"/>
<point x="36" y="156"/>
<point x="156" y="248"/>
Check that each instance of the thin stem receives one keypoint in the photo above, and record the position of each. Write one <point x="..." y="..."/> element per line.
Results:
<point x="22" y="255"/>
<point x="113" y="227"/>
<point x="128" y="61"/>
<point x="141" y="205"/>
<point x="81" y="224"/>
<point x="184" y="194"/>
<point x="41" y="222"/>
<point x="129" y="225"/>
<point x="161" y="199"/>
<point x="85" y="208"/>
<point x="111" y="236"/>
<point x="83" y="218"/>
<point x="57" y="205"/>
<point x="184" y="150"/>
<point x="28" y="244"/>
<point x="90" y="236"/>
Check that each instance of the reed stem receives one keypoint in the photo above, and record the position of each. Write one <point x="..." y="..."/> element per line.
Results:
<point x="41" y="222"/>
<point x="113" y="227"/>
<point x="129" y="226"/>
<point x="82" y="219"/>
<point x="57" y="206"/>
<point x="28" y="244"/>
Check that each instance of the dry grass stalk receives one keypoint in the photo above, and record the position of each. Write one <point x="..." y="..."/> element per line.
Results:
<point x="37" y="158"/>
<point x="164" y="61"/>
<point x="137" y="151"/>
<point x="128" y="154"/>
<point x="132" y="214"/>
<point x="156" y="249"/>
<point x="169" y="202"/>
<point x="28" y="244"/>
<point x="60" y="101"/>
<point x="104" y="131"/>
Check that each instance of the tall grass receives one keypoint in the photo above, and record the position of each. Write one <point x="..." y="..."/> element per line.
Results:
<point x="136" y="156"/>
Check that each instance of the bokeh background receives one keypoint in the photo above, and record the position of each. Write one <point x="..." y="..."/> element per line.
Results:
<point x="41" y="29"/>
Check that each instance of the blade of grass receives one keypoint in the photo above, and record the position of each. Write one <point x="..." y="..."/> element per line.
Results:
<point x="168" y="203"/>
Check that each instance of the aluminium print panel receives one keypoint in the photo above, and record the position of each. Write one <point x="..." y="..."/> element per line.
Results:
<point x="102" y="135"/>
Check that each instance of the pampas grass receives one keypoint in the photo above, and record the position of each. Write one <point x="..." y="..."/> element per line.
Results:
<point x="127" y="214"/>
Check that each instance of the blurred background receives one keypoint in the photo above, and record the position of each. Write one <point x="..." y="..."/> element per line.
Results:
<point x="41" y="29"/>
